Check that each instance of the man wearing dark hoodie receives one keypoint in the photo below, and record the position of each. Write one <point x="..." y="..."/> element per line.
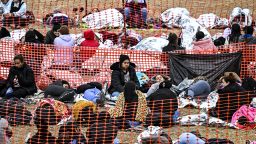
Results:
<point x="122" y="72"/>
<point x="52" y="34"/>
<point x="89" y="45"/>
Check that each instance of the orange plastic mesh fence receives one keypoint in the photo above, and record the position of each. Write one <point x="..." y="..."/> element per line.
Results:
<point x="99" y="127"/>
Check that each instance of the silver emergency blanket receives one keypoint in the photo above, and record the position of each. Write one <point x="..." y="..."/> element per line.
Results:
<point x="237" y="12"/>
<point x="202" y="119"/>
<point x="211" y="20"/>
<point x="208" y="103"/>
<point x="106" y="18"/>
<point x="151" y="44"/>
<point x="179" y="17"/>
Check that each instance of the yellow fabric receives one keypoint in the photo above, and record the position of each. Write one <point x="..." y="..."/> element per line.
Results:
<point x="141" y="113"/>
<point x="77" y="107"/>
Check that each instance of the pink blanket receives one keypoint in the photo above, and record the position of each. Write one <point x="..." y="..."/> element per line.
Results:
<point x="246" y="111"/>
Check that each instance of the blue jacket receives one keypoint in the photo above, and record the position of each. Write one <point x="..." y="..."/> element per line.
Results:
<point x="92" y="94"/>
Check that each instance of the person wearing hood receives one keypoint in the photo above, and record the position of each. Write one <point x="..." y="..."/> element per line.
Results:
<point x="64" y="47"/>
<point x="21" y="80"/>
<point x="202" y="44"/>
<point x="52" y="34"/>
<point x="17" y="14"/>
<point x="122" y="72"/>
<point x="89" y="45"/>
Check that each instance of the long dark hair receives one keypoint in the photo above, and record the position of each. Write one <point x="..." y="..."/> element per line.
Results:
<point x="235" y="33"/>
<point x="130" y="92"/>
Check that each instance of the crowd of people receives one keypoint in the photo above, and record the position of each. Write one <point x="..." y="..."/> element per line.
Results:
<point x="134" y="107"/>
<point x="156" y="107"/>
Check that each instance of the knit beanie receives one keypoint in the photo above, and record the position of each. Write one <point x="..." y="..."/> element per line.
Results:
<point x="122" y="58"/>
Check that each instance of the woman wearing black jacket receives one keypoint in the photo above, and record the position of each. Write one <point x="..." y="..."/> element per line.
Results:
<point x="122" y="72"/>
<point x="20" y="81"/>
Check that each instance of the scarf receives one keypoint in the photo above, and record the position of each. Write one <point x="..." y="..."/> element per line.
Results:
<point x="141" y="113"/>
<point x="77" y="107"/>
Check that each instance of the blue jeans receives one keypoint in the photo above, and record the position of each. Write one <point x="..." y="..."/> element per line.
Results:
<point x="144" y="13"/>
<point x="189" y="138"/>
<point x="115" y="94"/>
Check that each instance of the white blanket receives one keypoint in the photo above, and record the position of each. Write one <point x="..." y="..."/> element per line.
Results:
<point x="180" y="17"/>
<point x="106" y="18"/>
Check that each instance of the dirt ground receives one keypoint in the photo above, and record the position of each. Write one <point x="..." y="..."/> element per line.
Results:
<point x="196" y="7"/>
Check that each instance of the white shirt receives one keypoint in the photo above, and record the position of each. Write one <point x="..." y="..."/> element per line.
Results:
<point x="6" y="7"/>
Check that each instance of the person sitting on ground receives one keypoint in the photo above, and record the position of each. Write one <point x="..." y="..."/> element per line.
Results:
<point x="103" y="130"/>
<point x="89" y="45"/>
<point x="235" y="34"/>
<point x="157" y="79"/>
<point x="4" y="33"/>
<point x="219" y="41"/>
<point x="248" y="36"/>
<point x="84" y="113"/>
<point x="52" y="34"/>
<point x="43" y="135"/>
<point x="229" y="84"/>
<point x="21" y="80"/>
<point x="5" y="6"/>
<point x="122" y="72"/>
<point x="136" y="5"/>
<point x="34" y="36"/>
<point x="131" y="107"/>
<point x="200" y="88"/>
<point x="17" y="14"/>
<point x="202" y="44"/>
<point x="71" y="133"/>
<point x="173" y="43"/>
<point x="163" y="105"/>
<point x="64" y="47"/>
